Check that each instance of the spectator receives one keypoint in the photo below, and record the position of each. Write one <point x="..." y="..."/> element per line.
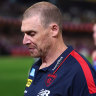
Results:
<point x="94" y="52"/>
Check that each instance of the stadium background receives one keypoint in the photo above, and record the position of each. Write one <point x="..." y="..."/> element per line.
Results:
<point x="15" y="61"/>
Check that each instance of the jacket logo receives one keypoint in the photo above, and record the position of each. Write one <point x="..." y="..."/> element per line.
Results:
<point x="43" y="92"/>
<point x="25" y="91"/>
<point x="50" y="78"/>
<point x="58" y="63"/>
<point x="29" y="81"/>
<point x="32" y="73"/>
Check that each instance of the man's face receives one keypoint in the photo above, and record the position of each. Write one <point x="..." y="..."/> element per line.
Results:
<point x="36" y="37"/>
<point x="94" y="34"/>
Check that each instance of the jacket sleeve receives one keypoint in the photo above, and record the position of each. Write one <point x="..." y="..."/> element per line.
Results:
<point x="80" y="85"/>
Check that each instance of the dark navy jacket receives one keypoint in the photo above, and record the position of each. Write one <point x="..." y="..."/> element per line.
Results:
<point x="70" y="75"/>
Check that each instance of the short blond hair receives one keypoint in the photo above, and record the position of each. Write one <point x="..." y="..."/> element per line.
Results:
<point x="48" y="13"/>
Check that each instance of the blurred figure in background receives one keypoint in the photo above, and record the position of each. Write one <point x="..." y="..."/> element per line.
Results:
<point x="94" y="52"/>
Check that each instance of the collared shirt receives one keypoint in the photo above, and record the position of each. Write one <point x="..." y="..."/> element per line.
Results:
<point x="70" y="75"/>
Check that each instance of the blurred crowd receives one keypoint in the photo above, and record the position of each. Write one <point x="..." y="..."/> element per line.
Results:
<point x="73" y="11"/>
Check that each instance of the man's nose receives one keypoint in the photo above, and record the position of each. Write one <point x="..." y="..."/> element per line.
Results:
<point x="26" y="40"/>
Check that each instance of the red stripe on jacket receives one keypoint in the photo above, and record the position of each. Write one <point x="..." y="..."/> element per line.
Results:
<point x="87" y="72"/>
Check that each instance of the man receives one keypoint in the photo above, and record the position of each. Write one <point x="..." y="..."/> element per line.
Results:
<point x="94" y="34"/>
<point x="61" y="71"/>
<point x="94" y="52"/>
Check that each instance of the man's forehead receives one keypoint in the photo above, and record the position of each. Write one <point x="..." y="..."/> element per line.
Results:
<point x="35" y="18"/>
<point x="30" y="22"/>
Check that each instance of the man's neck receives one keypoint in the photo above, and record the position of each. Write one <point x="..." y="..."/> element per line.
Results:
<point x="53" y="54"/>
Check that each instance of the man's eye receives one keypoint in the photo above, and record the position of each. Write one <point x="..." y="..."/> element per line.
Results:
<point x="31" y="34"/>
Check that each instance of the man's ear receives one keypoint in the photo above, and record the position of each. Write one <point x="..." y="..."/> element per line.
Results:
<point x="54" y="29"/>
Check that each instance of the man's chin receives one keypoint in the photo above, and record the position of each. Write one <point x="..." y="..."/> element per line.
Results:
<point x="34" y="56"/>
